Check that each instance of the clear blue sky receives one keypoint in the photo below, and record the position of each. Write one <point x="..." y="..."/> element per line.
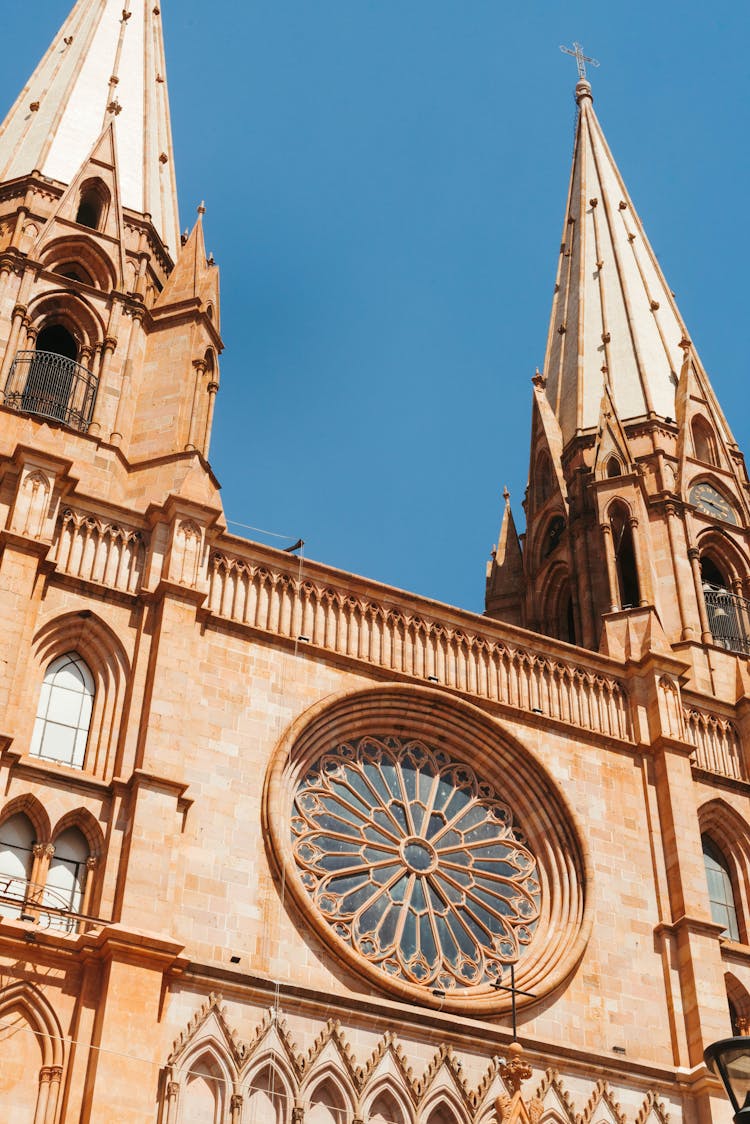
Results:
<point x="385" y="182"/>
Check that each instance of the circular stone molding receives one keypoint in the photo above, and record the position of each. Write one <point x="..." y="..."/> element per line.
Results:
<point x="427" y="849"/>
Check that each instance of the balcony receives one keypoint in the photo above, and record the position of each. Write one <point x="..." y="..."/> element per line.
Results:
<point x="728" y="618"/>
<point x="51" y="386"/>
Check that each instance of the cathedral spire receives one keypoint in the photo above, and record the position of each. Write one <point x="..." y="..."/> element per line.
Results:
<point x="106" y="64"/>
<point x="612" y="304"/>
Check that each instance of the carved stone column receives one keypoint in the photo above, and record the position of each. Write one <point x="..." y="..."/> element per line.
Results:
<point x="212" y="389"/>
<point x="55" y="1084"/>
<point x="609" y="551"/>
<point x="92" y="862"/>
<point x="637" y="556"/>
<point x="173" y="1095"/>
<point x="695" y="562"/>
<point x="19" y="314"/>
<point x="43" y="853"/>
<point x="235" y="1108"/>
<point x="298" y="1114"/>
<point x="686" y="629"/>
<point x="200" y="370"/>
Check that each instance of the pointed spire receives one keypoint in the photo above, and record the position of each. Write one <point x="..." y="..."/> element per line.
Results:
<point x="505" y="577"/>
<point x="194" y="276"/>
<point x="612" y="303"/>
<point x="106" y="64"/>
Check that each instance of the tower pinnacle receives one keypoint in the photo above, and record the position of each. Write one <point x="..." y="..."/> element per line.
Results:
<point x="106" y="63"/>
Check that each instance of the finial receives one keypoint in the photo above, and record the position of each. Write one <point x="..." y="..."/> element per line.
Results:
<point x="685" y="344"/>
<point x="506" y="496"/>
<point x="581" y="60"/>
<point x="538" y="379"/>
<point x="516" y="1070"/>
<point x="202" y="207"/>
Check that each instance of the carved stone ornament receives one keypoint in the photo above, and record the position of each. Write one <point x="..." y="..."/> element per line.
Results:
<point x="414" y="850"/>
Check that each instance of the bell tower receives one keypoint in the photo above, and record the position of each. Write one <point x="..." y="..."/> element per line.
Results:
<point x="109" y="319"/>
<point x="637" y="513"/>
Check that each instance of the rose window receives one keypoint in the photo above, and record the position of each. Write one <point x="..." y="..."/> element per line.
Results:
<point x="415" y="863"/>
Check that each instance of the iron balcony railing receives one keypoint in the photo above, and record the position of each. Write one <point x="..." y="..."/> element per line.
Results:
<point x="46" y="907"/>
<point x="52" y="386"/>
<point x="728" y="618"/>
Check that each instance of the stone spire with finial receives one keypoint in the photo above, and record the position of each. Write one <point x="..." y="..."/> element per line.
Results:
<point x="106" y="63"/>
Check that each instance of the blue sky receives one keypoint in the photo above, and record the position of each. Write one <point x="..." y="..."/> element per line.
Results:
<point x="385" y="184"/>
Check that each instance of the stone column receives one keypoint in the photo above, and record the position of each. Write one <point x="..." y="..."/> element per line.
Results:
<point x="212" y="389"/>
<point x="637" y="556"/>
<point x="609" y="551"/>
<point x="42" y="1100"/>
<point x="695" y="562"/>
<point x="200" y="370"/>
<point x="19" y="315"/>
<point x="43" y="853"/>
<point x="55" y="1083"/>
<point x="235" y="1108"/>
<point x="686" y="630"/>
<point x="173" y="1094"/>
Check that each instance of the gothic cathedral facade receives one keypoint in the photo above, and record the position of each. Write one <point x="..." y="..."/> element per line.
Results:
<point x="279" y="845"/>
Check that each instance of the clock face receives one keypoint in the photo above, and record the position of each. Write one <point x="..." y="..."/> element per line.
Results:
<point x="710" y="502"/>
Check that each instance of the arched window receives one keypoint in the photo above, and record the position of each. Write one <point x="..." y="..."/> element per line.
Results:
<point x="704" y="442"/>
<point x="720" y="892"/>
<point x="66" y="879"/>
<point x="725" y="611"/>
<point x="92" y="205"/>
<point x="16" y="862"/>
<point x="64" y="714"/>
<point x="622" y="542"/>
<point x="614" y="468"/>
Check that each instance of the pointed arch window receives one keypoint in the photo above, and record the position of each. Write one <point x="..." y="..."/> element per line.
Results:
<point x="728" y="617"/>
<point x="92" y="205"/>
<point x="66" y="878"/>
<point x="720" y="892"/>
<point x="16" y="862"/>
<point x="613" y="468"/>
<point x="64" y="714"/>
<point x="704" y="441"/>
<point x="625" y="561"/>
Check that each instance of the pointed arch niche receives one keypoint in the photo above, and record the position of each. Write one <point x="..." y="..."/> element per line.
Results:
<point x="267" y="1095"/>
<point x="326" y="1102"/>
<point x="31" y="1047"/>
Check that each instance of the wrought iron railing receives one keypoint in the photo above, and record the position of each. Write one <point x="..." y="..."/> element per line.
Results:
<point x="728" y="618"/>
<point x="51" y="386"/>
<point x="27" y="901"/>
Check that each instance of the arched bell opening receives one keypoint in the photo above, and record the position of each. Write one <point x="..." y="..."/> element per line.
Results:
<point x="626" y="566"/>
<point x="727" y="611"/>
<point x="92" y="205"/>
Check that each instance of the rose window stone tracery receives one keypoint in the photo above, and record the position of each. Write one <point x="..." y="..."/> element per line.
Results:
<point x="415" y="862"/>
